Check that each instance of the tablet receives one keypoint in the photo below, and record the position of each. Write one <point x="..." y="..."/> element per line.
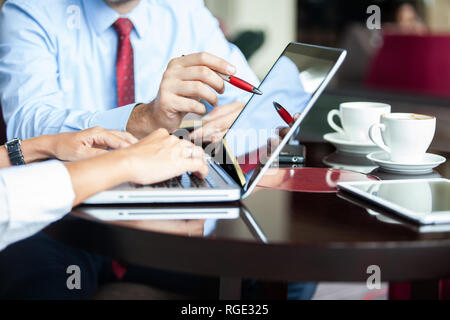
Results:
<point x="425" y="201"/>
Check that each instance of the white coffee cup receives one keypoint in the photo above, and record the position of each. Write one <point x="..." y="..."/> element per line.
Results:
<point x="405" y="136"/>
<point x="356" y="119"/>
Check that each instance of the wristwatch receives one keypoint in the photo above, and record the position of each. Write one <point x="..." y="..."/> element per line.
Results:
<point x="14" y="152"/>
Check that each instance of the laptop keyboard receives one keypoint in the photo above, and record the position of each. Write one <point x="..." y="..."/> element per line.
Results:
<point x="187" y="180"/>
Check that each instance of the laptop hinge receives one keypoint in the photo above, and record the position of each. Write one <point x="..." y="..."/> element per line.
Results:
<point x="216" y="166"/>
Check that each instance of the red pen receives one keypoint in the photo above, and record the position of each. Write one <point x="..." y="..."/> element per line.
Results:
<point x="241" y="84"/>
<point x="284" y="114"/>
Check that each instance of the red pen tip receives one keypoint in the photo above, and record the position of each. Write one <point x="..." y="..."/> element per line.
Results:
<point x="256" y="91"/>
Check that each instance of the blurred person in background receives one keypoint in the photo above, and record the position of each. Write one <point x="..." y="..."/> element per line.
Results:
<point x="362" y="43"/>
<point x="407" y="21"/>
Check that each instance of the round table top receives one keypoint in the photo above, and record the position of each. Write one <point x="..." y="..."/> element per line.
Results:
<point x="274" y="234"/>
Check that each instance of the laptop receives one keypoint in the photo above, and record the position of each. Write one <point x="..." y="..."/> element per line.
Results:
<point x="175" y="218"/>
<point x="254" y="140"/>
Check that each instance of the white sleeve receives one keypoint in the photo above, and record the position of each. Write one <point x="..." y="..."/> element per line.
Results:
<point x="31" y="197"/>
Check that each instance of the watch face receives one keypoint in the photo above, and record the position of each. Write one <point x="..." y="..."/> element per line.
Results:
<point x="13" y="145"/>
<point x="14" y="152"/>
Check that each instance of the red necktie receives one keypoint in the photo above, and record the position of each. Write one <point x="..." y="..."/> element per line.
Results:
<point x="124" y="62"/>
<point x="125" y="88"/>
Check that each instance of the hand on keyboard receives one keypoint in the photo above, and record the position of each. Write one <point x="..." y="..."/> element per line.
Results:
<point x="161" y="156"/>
<point x="187" y="180"/>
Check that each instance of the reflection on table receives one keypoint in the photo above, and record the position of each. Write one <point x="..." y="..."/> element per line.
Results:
<point x="389" y="218"/>
<point x="192" y="220"/>
<point x="348" y="161"/>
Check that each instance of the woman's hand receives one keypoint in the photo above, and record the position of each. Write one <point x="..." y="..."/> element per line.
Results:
<point x="73" y="146"/>
<point x="156" y="158"/>
<point x="162" y="156"/>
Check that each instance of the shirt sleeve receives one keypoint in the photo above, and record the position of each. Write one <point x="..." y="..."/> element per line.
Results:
<point x="31" y="94"/>
<point x="210" y="38"/>
<point x="32" y="197"/>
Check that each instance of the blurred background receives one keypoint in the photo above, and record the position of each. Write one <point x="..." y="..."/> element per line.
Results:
<point x="329" y="23"/>
<point x="404" y="63"/>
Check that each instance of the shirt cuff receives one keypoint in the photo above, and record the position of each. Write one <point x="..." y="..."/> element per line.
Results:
<point x="38" y="193"/>
<point x="114" y="119"/>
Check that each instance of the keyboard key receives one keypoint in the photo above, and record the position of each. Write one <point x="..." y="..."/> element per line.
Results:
<point x="173" y="183"/>
<point x="183" y="181"/>
<point x="199" y="183"/>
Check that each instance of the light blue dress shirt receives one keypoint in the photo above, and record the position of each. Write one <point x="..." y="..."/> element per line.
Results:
<point x="58" y="60"/>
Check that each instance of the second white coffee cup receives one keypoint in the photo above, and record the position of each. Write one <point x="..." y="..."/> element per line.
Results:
<point x="356" y="119"/>
<point x="405" y="136"/>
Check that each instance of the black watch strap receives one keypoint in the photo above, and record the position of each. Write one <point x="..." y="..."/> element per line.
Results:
<point x="14" y="152"/>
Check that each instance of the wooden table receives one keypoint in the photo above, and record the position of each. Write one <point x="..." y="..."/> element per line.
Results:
<point x="280" y="236"/>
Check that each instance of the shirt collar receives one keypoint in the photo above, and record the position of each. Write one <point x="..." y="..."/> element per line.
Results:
<point x="102" y="17"/>
<point x="140" y="19"/>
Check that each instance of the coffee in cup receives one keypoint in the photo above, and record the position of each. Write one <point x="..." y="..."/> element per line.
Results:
<point x="356" y="119"/>
<point x="405" y="136"/>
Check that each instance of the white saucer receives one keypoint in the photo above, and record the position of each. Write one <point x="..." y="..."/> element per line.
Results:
<point x="430" y="161"/>
<point x="344" y="145"/>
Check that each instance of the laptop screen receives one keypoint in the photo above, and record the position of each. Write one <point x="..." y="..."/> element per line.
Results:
<point x="271" y="118"/>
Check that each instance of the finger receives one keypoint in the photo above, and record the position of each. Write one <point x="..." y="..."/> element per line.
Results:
<point x="214" y="127"/>
<point x="205" y="75"/>
<point x="206" y="59"/>
<point x="232" y="108"/>
<point x="196" y="134"/>
<point x="193" y="152"/>
<point x="125" y="135"/>
<point x="197" y="89"/>
<point x="110" y="141"/>
<point x="171" y="141"/>
<point x="186" y="105"/>
<point x="189" y="150"/>
<point x="198" y="153"/>
<point x="283" y="131"/>
<point x="197" y="166"/>
<point x="204" y="132"/>
<point x="185" y="144"/>
<point x="156" y="135"/>
<point x="91" y="153"/>
<point x="218" y="136"/>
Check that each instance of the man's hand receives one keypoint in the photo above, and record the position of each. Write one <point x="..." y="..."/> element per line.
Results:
<point x="217" y="122"/>
<point x="72" y="146"/>
<point x="186" y="80"/>
<point x="162" y="156"/>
